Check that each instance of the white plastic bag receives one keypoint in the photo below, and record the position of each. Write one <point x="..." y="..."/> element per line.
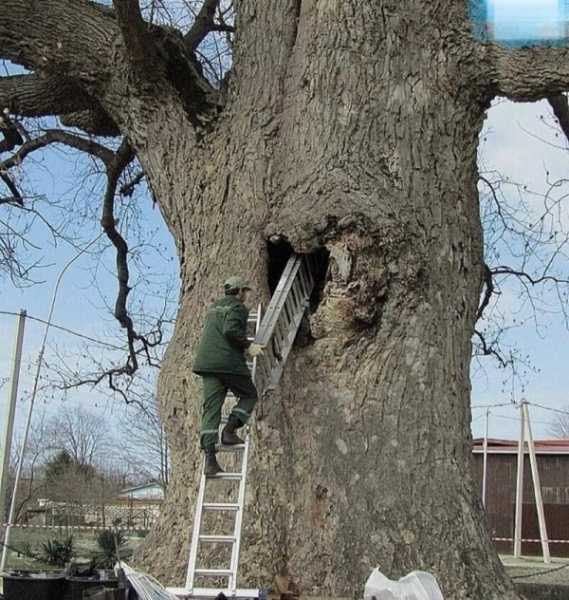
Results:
<point x="418" y="585"/>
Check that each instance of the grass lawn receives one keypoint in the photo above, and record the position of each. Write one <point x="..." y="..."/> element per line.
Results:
<point x="84" y="541"/>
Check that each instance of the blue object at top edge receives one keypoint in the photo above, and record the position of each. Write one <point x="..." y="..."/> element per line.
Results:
<point x="481" y="28"/>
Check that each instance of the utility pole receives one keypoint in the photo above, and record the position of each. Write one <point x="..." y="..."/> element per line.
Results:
<point x="10" y="412"/>
<point x="485" y="461"/>
<point x="537" y="489"/>
<point x="526" y="428"/>
<point x="520" y="486"/>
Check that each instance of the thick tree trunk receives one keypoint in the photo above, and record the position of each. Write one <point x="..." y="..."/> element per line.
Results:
<point x="348" y="126"/>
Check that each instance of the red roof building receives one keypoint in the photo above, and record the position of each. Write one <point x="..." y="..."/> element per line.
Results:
<point x="553" y="466"/>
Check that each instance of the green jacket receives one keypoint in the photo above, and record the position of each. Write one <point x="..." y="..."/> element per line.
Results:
<point x="224" y="339"/>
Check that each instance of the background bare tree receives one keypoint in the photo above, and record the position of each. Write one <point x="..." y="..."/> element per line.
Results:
<point x="526" y="240"/>
<point x="144" y="445"/>
<point x="82" y="434"/>
<point x="559" y="427"/>
<point x="32" y="484"/>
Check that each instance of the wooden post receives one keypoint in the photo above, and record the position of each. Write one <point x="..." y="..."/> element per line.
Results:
<point x="10" y="412"/>
<point x="519" y="488"/>
<point x="485" y="461"/>
<point x="7" y="437"/>
<point x="537" y="488"/>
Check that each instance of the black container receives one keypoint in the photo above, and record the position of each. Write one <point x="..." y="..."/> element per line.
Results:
<point x="28" y="587"/>
<point x="76" y="585"/>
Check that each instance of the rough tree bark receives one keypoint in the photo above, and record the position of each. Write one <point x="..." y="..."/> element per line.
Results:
<point x="347" y="125"/>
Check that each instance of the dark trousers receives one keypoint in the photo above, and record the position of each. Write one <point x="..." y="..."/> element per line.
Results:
<point x="215" y="388"/>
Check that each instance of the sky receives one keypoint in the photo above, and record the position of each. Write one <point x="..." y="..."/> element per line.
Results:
<point x="512" y="20"/>
<point x="517" y="142"/>
<point x="87" y="291"/>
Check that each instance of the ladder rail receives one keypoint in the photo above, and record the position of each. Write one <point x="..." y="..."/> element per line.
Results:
<point x="239" y="520"/>
<point x="196" y="533"/>
<point x="283" y="317"/>
<point x="278" y="299"/>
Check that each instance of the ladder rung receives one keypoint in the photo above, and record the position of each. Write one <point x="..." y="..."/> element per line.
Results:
<point x="220" y="506"/>
<point x="222" y="539"/>
<point x="214" y="572"/>
<point x="234" y="448"/>
<point x="205" y="593"/>
<point x="227" y="476"/>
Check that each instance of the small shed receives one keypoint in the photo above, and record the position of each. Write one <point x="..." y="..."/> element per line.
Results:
<point x="553" y="465"/>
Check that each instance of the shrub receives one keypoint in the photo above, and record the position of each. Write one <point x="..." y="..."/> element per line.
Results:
<point x="108" y="542"/>
<point x="58" y="552"/>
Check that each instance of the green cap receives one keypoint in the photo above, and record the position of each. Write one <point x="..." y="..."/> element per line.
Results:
<point x="236" y="283"/>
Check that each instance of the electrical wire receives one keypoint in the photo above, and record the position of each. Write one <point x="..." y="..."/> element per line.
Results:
<point x="493" y="405"/>
<point x="518" y="419"/>
<point x="555" y="410"/>
<point x="66" y="329"/>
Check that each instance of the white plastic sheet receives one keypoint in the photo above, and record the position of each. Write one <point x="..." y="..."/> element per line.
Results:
<point x="418" y="585"/>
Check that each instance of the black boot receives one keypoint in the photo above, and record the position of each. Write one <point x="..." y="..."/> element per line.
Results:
<point x="228" y="435"/>
<point x="211" y="465"/>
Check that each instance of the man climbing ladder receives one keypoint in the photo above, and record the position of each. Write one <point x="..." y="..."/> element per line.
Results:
<point x="220" y="361"/>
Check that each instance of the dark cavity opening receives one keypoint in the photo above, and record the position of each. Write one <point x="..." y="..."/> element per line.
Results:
<point x="320" y="266"/>
<point x="280" y="251"/>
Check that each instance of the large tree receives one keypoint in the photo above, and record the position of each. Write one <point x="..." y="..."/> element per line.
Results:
<point x="347" y="125"/>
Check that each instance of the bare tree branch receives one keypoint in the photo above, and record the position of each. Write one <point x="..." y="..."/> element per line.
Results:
<point x="16" y="197"/>
<point x="12" y="136"/>
<point x="134" y="32"/>
<point x="36" y="96"/>
<point x="490" y="349"/>
<point x="488" y="291"/>
<point x="560" y="107"/>
<point x="94" y="121"/>
<point x="204" y="23"/>
<point x="504" y="270"/>
<point x="52" y="136"/>
<point x="525" y="74"/>
<point x="63" y="35"/>
<point x="128" y="188"/>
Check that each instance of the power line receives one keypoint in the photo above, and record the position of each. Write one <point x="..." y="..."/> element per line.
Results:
<point x="556" y="410"/>
<point x="518" y="419"/>
<point x="67" y="330"/>
<point x="493" y="405"/>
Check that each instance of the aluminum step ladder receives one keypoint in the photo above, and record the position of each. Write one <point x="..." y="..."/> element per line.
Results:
<point x="236" y="508"/>
<point x="283" y="317"/>
<point x="276" y="331"/>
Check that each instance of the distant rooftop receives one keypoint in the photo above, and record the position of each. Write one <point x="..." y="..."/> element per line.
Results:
<point x="152" y="489"/>
<point x="500" y="446"/>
